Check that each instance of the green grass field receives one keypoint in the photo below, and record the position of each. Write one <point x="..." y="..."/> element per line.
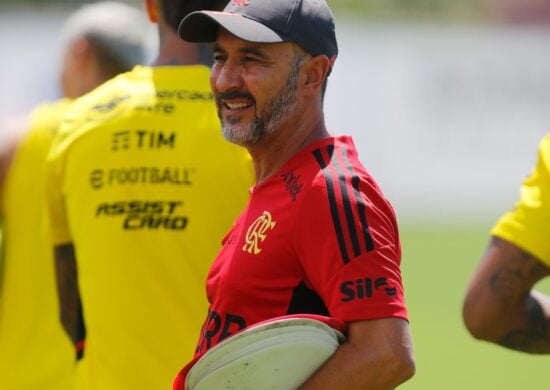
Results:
<point x="437" y="264"/>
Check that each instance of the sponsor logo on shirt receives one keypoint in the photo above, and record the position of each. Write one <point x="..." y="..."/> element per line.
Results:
<point x="257" y="233"/>
<point x="100" y="178"/>
<point x="183" y="94"/>
<point x="107" y="109"/>
<point x="162" y="105"/>
<point x="293" y="187"/>
<point x="142" y="139"/>
<point x="158" y="108"/>
<point x="217" y="328"/>
<point x="366" y="288"/>
<point x="143" y="214"/>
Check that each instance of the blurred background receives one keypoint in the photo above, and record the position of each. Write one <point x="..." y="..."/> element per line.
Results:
<point x="446" y="100"/>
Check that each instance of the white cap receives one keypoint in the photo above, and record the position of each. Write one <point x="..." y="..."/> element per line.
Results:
<point x="119" y="28"/>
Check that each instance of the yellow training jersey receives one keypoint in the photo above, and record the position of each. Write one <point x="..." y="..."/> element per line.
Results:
<point x="528" y="225"/>
<point x="35" y="352"/>
<point x="144" y="185"/>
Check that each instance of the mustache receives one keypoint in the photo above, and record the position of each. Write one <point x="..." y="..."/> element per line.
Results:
<point x="234" y="95"/>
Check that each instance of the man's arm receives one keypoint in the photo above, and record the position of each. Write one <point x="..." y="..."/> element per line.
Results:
<point x="500" y="305"/>
<point x="6" y="155"/>
<point x="69" y="296"/>
<point x="377" y="355"/>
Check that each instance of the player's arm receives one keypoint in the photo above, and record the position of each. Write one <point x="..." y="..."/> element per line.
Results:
<point x="500" y="305"/>
<point x="377" y="354"/>
<point x="6" y="154"/>
<point x="69" y="296"/>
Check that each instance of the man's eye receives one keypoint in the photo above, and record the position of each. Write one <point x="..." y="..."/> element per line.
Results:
<point x="249" y="59"/>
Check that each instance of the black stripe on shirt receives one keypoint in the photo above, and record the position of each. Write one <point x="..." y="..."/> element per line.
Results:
<point x="332" y="203"/>
<point x="350" y="195"/>
<point x="347" y="203"/>
<point x="361" y="206"/>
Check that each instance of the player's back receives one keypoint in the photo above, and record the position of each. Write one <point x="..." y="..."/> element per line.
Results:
<point x="149" y="188"/>
<point x="35" y="353"/>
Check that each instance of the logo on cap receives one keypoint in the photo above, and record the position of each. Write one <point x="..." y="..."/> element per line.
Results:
<point x="241" y="3"/>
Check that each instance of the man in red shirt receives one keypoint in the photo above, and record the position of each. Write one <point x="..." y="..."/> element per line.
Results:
<point x="318" y="236"/>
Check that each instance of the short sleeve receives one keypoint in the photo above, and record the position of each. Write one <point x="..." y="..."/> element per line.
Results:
<point x="528" y="224"/>
<point x="350" y="251"/>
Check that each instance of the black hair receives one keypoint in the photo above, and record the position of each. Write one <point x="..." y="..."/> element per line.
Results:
<point x="175" y="10"/>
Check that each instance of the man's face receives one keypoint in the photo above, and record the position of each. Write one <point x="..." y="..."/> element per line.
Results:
<point x="255" y="87"/>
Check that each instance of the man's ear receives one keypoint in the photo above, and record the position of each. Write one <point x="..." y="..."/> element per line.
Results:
<point x="81" y="50"/>
<point x="151" y="10"/>
<point x="315" y="71"/>
<point x="84" y="68"/>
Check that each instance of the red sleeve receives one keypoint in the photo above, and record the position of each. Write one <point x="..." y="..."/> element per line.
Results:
<point x="348" y="243"/>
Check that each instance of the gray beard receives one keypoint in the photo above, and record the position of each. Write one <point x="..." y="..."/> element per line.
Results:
<point x="277" y="110"/>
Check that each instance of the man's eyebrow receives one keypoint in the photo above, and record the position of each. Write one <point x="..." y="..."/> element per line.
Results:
<point x="254" y="51"/>
<point x="245" y="50"/>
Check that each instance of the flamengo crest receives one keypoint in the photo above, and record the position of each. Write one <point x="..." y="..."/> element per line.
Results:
<point x="257" y="232"/>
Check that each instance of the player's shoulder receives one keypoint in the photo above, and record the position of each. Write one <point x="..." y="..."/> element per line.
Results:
<point x="49" y="114"/>
<point x="42" y="124"/>
<point x="109" y="99"/>
<point x="183" y="84"/>
<point x="544" y="147"/>
<point x="188" y="75"/>
<point x="335" y="163"/>
<point x="337" y="154"/>
<point x="92" y="110"/>
<point x="136" y="90"/>
<point x="543" y="163"/>
<point x="340" y="183"/>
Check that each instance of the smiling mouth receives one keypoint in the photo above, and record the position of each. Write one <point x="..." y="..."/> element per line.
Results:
<point x="232" y="106"/>
<point x="235" y="101"/>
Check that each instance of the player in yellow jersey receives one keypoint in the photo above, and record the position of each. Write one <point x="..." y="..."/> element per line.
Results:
<point x="501" y="305"/>
<point x="143" y="188"/>
<point x="101" y="40"/>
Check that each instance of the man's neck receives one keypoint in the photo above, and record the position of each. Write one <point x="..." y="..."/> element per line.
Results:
<point x="270" y="155"/>
<point x="174" y="51"/>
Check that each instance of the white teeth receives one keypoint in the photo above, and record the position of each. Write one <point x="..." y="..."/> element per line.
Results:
<point x="236" y="106"/>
